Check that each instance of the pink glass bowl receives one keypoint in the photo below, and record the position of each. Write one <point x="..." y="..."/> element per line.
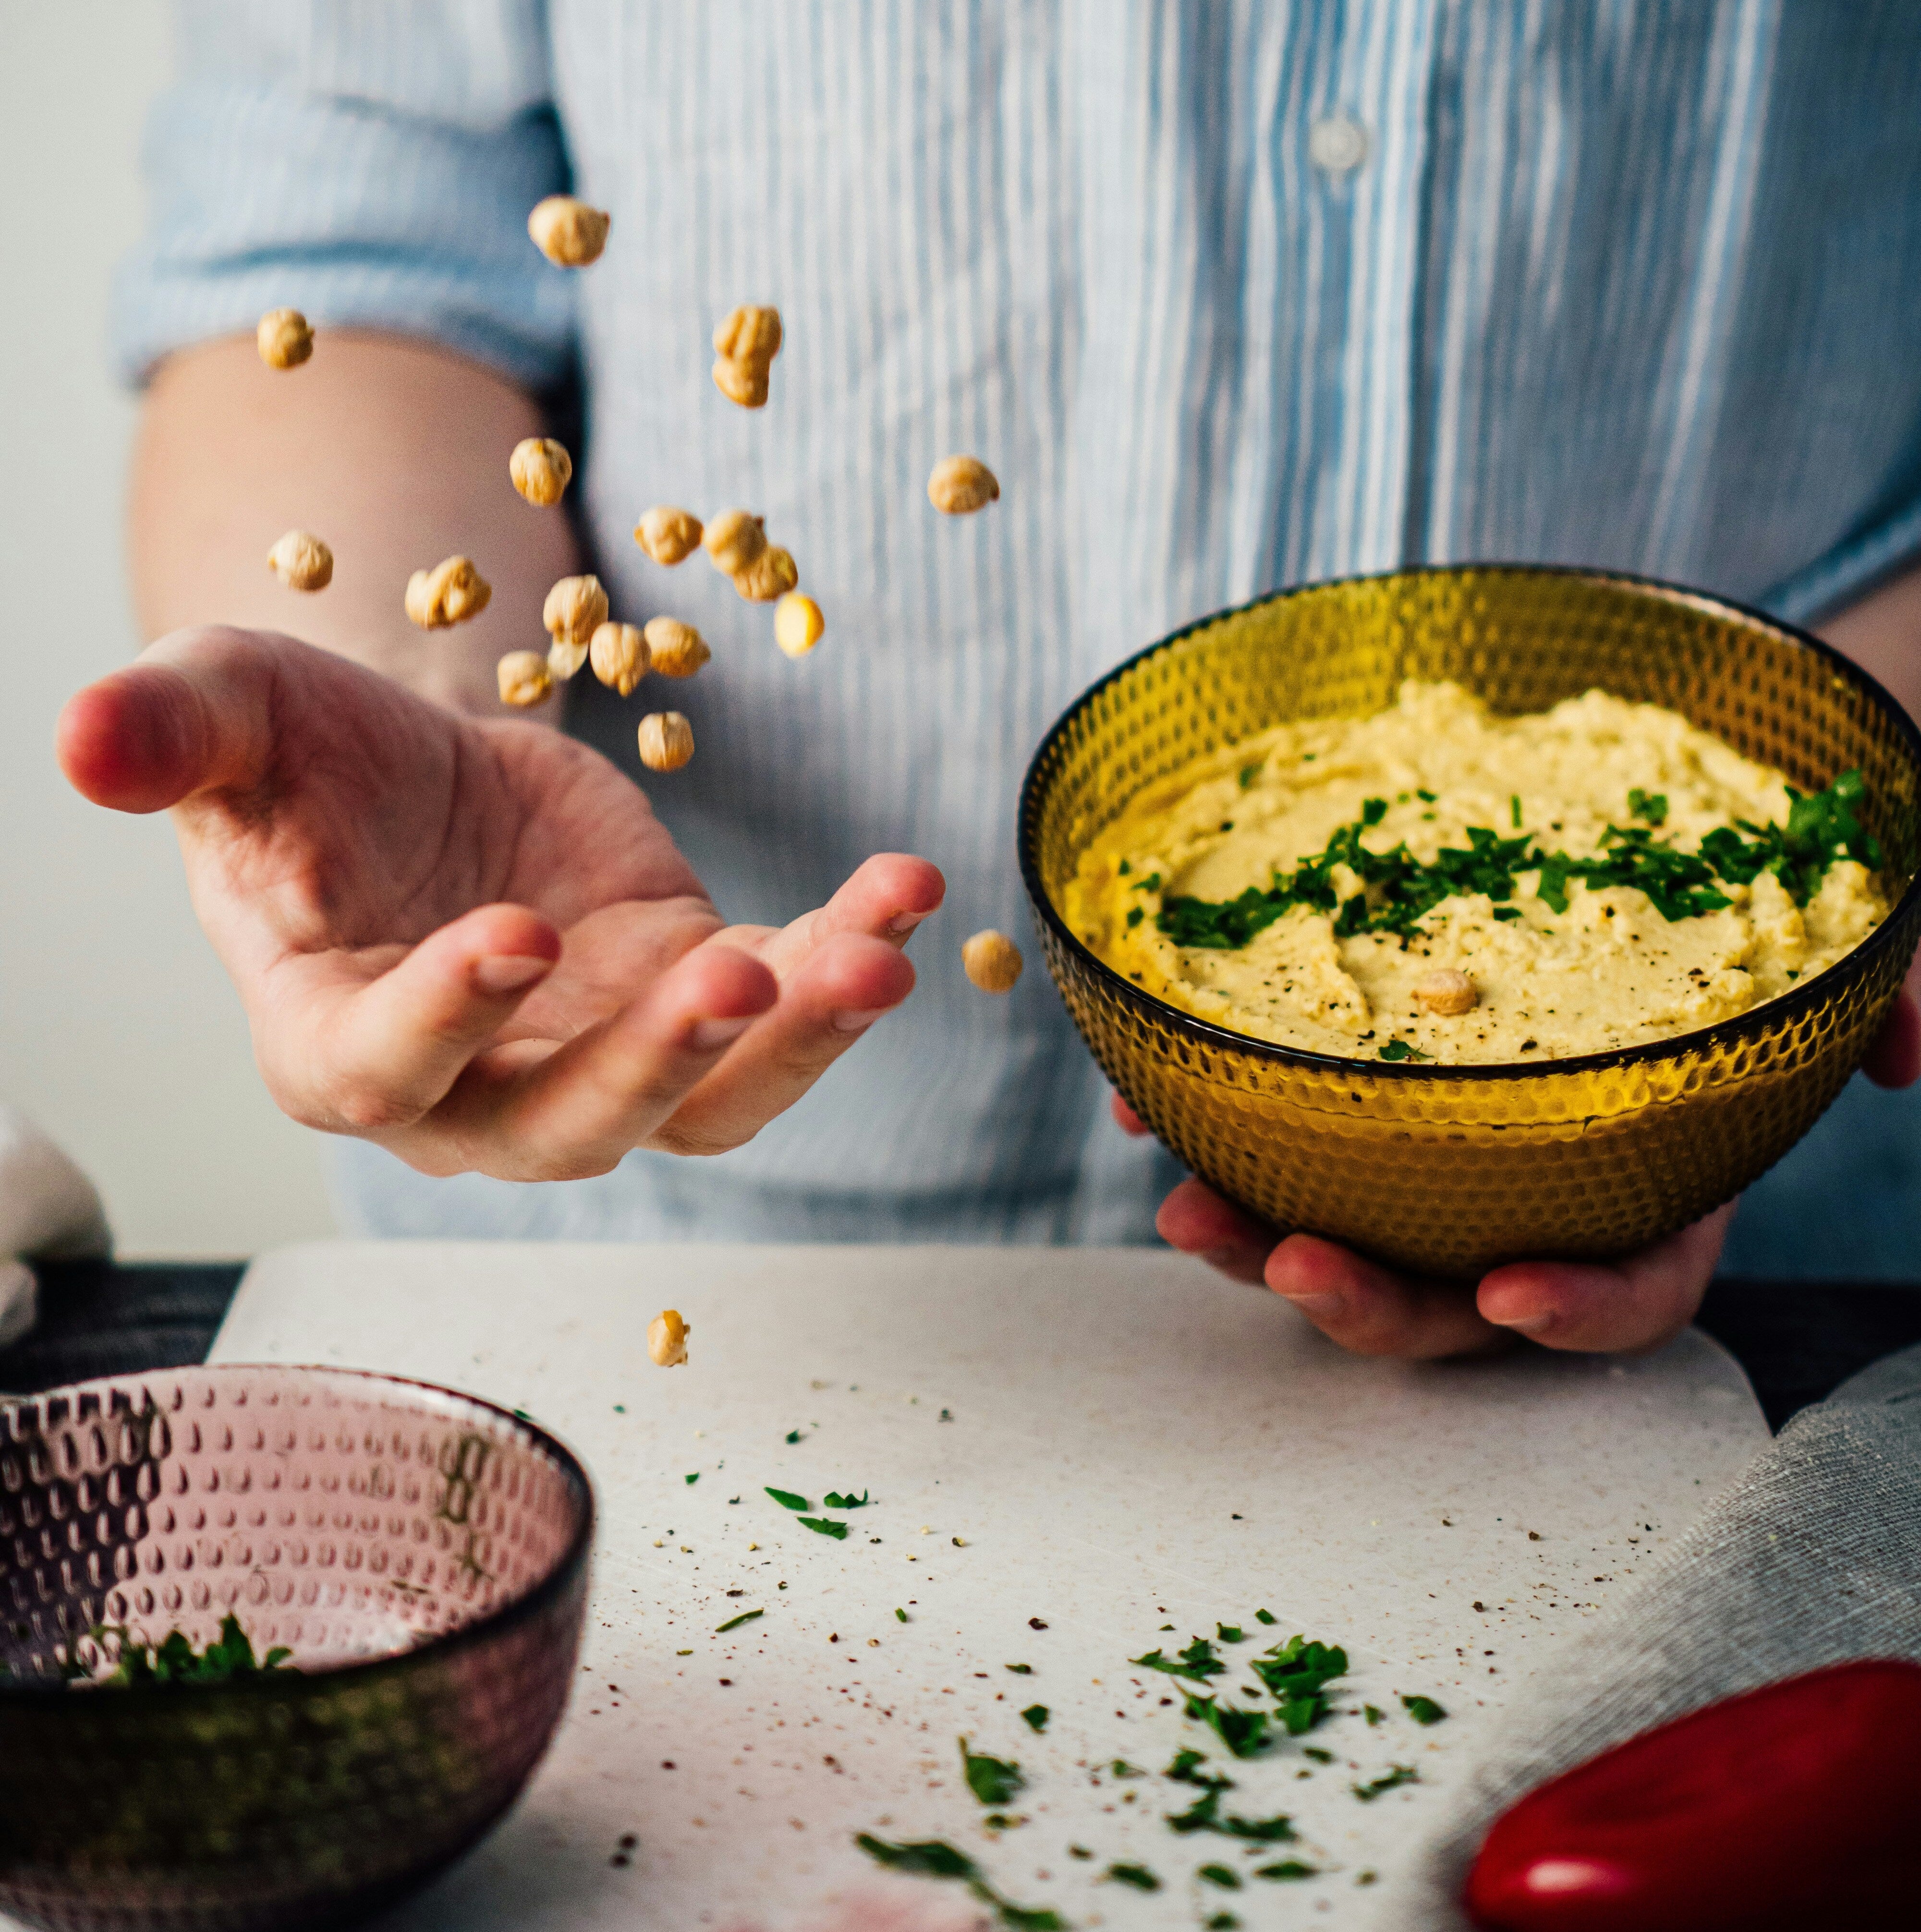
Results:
<point x="423" y="1555"/>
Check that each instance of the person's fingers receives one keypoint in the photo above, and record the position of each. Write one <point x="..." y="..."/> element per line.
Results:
<point x="1198" y="1222"/>
<point x="1895" y="1058"/>
<point x="1373" y="1311"/>
<point x="827" y="1003"/>
<point x="347" y="1053"/>
<point x="576" y="1111"/>
<point x="195" y="713"/>
<point x="1635" y="1304"/>
<point x="1125" y="1118"/>
<point x="886" y="897"/>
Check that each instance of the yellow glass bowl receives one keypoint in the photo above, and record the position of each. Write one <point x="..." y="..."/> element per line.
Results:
<point x="1451" y="1170"/>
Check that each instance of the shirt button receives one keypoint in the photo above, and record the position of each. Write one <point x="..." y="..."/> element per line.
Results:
<point x="1337" y="144"/>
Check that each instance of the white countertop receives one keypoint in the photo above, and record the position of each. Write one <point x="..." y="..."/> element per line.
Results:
<point x="1119" y="1442"/>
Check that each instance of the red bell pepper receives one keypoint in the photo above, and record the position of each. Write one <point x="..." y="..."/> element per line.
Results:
<point x="1788" y="1808"/>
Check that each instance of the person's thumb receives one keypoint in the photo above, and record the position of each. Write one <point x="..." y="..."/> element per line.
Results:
<point x="195" y="714"/>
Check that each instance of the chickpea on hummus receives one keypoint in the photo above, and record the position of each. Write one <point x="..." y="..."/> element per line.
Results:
<point x="1436" y="883"/>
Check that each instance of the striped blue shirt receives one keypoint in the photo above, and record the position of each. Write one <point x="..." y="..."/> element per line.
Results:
<point x="1229" y="295"/>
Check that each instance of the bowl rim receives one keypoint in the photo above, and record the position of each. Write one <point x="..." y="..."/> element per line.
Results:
<point x="559" y="1579"/>
<point x="1784" y="1007"/>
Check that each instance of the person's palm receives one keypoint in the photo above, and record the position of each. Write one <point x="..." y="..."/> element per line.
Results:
<point x="472" y="941"/>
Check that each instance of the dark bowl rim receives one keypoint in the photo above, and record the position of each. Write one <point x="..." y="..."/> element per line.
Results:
<point x="559" y="1579"/>
<point x="1783" y="1008"/>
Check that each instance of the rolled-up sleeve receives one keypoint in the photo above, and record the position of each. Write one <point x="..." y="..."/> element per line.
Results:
<point x="370" y="163"/>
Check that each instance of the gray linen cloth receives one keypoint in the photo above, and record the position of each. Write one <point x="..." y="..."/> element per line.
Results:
<point x="1813" y="1557"/>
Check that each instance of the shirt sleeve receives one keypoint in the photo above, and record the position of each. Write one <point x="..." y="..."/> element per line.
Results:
<point x="370" y="164"/>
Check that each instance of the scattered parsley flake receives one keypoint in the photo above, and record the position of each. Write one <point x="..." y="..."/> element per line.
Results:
<point x="735" y="1623"/>
<point x="695" y="1477"/>
<point x="1314" y="1752"/>
<point x="901" y="1615"/>
<point x="1651" y="806"/>
<point x="1222" y="1921"/>
<point x="931" y="1858"/>
<point x="1287" y="1868"/>
<point x="1186" y="1770"/>
<point x="1264" y="1616"/>
<point x="1373" y="1716"/>
<point x="1134" y="917"/>
<point x="787" y="1499"/>
<point x="793" y="1436"/>
<point x="1424" y="795"/>
<point x="1120" y="1767"/>
<point x="1388" y="1781"/>
<point x="1296" y="1674"/>
<point x="1513" y="811"/>
<point x="1220" y="1875"/>
<point x="821" y="1526"/>
<point x="1228" y="1633"/>
<point x="1249" y="773"/>
<point x="1138" y="1876"/>
<point x="1244" y="1732"/>
<point x="1401" y="1049"/>
<point x="1198" y="1660"/>
<point x="993" y="1781"/>
<point x="1423" y="1710"/>
<point x="1035" y="1717"/>
<point x="835" y="1499"/>
<point x="1019" y="1670"/>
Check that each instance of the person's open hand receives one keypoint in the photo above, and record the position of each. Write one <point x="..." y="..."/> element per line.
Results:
<point x="473" y="942"/>
<point x="1610" y="1307"/>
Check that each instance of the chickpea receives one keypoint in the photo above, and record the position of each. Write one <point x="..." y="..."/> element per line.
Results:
<point x="284" y="338"/>
<point x="567" y="232"/>
<point x="524" y="678"/>
<point x="667" y="741"/>
<point x="798" y="624"/>
<point x="733" y="539"/>
<point x="675" y="649"/>
<point x="961" y="485"/>
<point x="575" y="608"/>
<point x="667" y="535"/>
<point x="667" y="1339"/>
<point x="771" y="574"/>
<point x="564" y="657"/>
<point x="450" y="593"/>
<point x="739" y="384"/>
<point x="620" y="657"/>
<point x="1446" y="992"/>
<point x="992" y="961"/>
<point x="750" y="336"/>
<point x="302" y="561"/>
<point x="542" y="469"/>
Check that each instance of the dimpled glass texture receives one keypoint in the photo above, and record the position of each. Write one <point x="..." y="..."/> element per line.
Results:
<point x="1449" y="1171"/>
<point x="423" y="1555"/>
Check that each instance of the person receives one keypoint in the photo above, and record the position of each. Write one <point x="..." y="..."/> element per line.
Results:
<point x="1228" y="298"/>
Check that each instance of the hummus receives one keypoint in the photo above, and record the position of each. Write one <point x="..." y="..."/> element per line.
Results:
<point x="1603" y="874"/>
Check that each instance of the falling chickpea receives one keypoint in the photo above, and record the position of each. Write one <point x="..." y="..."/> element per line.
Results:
<point x="798" y="624"/>
<point x="992" y="961"/>
<point x="283" y="338"/>
<point x="567" y="232"/>
<point x="771" y="574"/>
<point x="667" y="741"/>
<point x="667" y="1339"/>
<point x="620" y="657"/>
<point x="450" y="593"/>
<point x="667" y="535"/>
<point x="1446" y="992"/>
<point x="302" y="561"/>
<point x="575" y="608"/>
<point x="675" y="649"/>
<point x="745" y="344"/>
<point x="524" y="678"/>
<point x="961" y="485"/>
<point x="542" y="469"/>
<point x="733" y="539"/>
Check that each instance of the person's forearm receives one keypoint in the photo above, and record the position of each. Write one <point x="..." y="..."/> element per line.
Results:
<point x="1882" y="634"/>
<point x="392" y="451"/>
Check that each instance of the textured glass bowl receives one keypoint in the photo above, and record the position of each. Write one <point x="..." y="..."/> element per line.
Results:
<point x="1451" y="1170"/>
<point x="423" y="1555"/>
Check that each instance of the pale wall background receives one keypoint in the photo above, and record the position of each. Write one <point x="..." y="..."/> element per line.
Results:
<point x="117" y="1030"/>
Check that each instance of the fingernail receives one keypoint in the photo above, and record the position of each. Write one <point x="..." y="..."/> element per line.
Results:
<point x="508" y="972"/>
<point x="1529" y="1325"/>
<point x="905" y="922"/>
<point x="1319" y="1307"/>
<point x="857" y="1022"/>
<point x="704" y="1036"/>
